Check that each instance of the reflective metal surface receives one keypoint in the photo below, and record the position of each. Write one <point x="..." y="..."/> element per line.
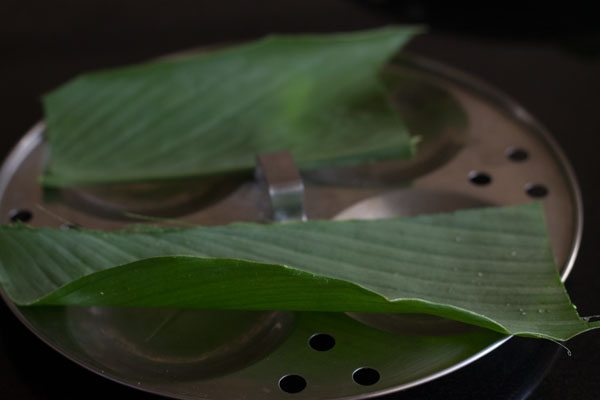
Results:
<point x="466" y="131"/>
<point x="281" y="181"/>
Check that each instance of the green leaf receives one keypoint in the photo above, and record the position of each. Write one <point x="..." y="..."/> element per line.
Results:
<point x="209" y="114"/>
<point x="489" y="267"/>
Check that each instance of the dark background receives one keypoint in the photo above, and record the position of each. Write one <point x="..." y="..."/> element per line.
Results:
<point x="547" y="57"/>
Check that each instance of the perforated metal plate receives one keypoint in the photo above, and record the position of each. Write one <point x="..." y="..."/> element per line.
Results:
<point x="479" y="148"/>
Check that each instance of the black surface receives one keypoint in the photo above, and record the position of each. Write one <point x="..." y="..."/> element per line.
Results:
<point x="546" y="61"/>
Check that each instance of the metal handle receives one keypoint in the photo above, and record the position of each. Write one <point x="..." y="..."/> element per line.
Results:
<point x="282" y="181"/>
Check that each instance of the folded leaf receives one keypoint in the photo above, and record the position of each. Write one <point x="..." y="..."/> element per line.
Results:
<point x="317" y="96"/>
<point x="490" y="267"/>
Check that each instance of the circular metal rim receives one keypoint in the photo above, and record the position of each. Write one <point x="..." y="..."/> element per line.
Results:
<point x="490" y="93"/>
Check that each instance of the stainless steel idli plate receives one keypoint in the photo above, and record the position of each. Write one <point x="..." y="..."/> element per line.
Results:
<point x="479" y="148"/>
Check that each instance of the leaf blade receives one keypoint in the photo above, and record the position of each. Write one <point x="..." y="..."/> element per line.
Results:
<point x="316" y="265"/>
<point x="210" y="114"/>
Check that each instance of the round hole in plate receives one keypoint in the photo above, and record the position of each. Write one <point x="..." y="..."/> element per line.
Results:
<point x="321" y="342"/>
<point x="20" y="215"/>
<point x="480" y="178"/>
<point x="517" y="154"/>
<point x="366" y="376"/>
<point x="292" y="383"/>
<point x="536" y="190"/>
